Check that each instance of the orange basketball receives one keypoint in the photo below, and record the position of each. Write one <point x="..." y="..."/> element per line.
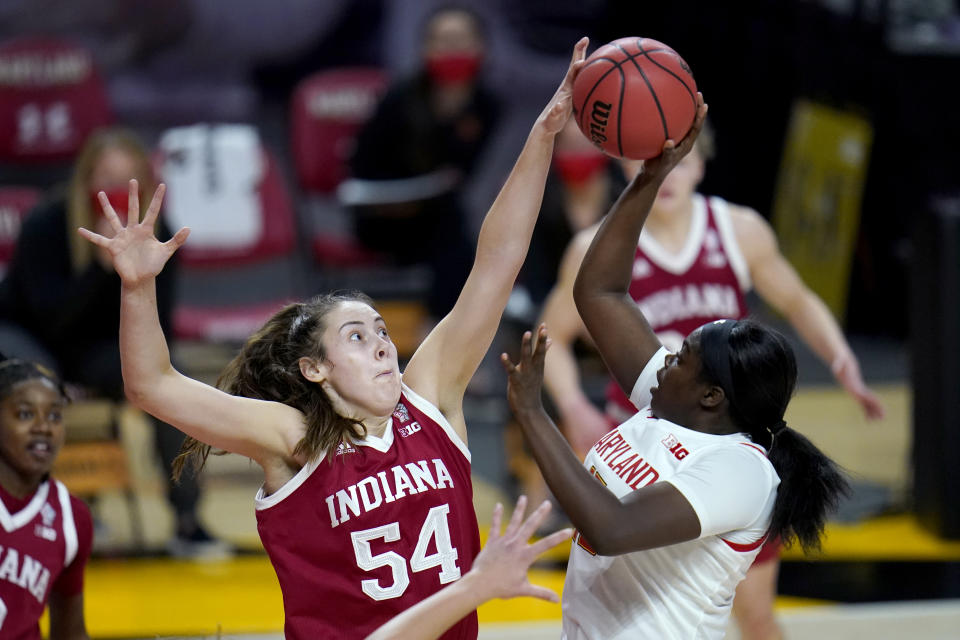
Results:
<point x="632" y="95"/>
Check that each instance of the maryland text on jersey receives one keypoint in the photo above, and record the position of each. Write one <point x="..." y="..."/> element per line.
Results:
<point x="624" y="461"/>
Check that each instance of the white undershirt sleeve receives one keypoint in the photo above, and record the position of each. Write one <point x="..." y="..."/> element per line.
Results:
<point x="729" y="487"/>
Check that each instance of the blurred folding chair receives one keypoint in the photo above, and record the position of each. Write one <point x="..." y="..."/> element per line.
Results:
<point x="327" y="110"/>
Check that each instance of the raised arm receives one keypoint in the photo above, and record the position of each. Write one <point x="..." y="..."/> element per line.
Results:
<point x="582" y="422"/>
<point x="781" y="287"/>
<point x="254" y="428"/>
<point x="601" y="290"/>
<point x="447" y="359"/>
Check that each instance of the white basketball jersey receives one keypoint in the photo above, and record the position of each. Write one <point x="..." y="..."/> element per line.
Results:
<point x="683" y="591"/>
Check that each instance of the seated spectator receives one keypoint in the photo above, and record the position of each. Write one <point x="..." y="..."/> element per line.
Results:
<point x="413" y="155"/>
<point x="60" y="301"/>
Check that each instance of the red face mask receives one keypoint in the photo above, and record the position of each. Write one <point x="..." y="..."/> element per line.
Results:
<point x="119" y="198"/>
<point x="576" y="167"/>
<point x="453" y="68"/>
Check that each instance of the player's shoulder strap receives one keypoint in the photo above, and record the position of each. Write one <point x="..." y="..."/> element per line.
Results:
<point x="719" y="211"/>
<point x="70" y="539"/>
<point x="427" y="408"/>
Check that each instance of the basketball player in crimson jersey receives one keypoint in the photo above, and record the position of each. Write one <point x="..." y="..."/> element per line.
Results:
<point x="45" y="533"/>
<point x="366" y="506"/>
<point x="696" y="259"/>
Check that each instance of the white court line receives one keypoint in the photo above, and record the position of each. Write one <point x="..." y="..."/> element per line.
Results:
<point x="921" y="620"/>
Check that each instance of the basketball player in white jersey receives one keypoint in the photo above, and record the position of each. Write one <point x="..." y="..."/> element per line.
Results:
<point x="673" y="505"/>
<point x="696" y="259"/>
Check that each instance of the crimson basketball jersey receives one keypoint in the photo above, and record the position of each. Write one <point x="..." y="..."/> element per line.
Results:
<point x="45" y="541"/>
<point x="678" y="292"/>
<point x="387" y="522"/>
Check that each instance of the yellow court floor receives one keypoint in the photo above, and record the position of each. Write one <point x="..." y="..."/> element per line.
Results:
<point x="135" y="598"/>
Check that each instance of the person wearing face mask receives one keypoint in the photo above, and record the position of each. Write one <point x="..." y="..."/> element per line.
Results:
<point x="60" y="300"/>
<point x="414" y="154"/>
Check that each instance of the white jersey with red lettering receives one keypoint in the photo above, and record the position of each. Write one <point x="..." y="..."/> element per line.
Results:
<point x="683" y="591"/>
<point x="704" y="281"/>
<point x="385" y="523"/>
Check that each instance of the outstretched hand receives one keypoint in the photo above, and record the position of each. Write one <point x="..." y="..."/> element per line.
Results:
<point x="525" y="379"/>
<point x="136" y="252"/>
<point x="558" y="110"/>
<point x="847" y="372"/>
<point x="674" y="151"/>
<point x="506" y="558"/>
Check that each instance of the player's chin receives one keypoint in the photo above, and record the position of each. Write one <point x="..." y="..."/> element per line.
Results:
<point x="654" y="398"/>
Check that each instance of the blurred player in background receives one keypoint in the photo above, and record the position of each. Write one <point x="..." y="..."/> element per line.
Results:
<point x="60" y="303"/>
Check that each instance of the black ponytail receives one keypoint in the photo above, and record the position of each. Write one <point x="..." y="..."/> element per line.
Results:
<point x="759" y="383"/>
<point x="810" y="488"/>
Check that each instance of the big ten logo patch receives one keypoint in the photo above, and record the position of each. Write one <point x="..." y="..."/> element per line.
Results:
<point x="405" y="427"/>
<point x="408" y="430"/>
<point x="578" y="538"/>
<point x="675" y="447"/>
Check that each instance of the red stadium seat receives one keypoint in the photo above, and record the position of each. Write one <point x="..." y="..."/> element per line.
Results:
<point x="231" y="287"/>
<point x="51" y="98"/>
<point x="327" y="110"/>
<point x="15" y="204"/>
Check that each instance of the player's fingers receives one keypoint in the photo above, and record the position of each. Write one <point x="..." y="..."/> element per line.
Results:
<point x="541" y="336"/>
<point x="177" y="240"/>
<point x="495" y="522"/>
<point x="133" y="202"/>
<point x="579" y="50"/>
<point x="517" y="518"/>
<point x="536" y="591"/>
<point x="552" y="540"/>
<point x="525" y="347"/>
<point x="508" y="366"/>
<point x="543" y="343"/>
<point x="95" y="238"/>
<point x="153" y="211"/>
<point x="109" y="213"/>
<point x="536" y="518"/>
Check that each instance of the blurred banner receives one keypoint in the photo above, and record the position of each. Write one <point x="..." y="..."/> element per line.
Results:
<point x="816" y="210"/>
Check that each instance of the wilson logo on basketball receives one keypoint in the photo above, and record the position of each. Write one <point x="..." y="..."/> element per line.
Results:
<point x="598" y="121"/>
